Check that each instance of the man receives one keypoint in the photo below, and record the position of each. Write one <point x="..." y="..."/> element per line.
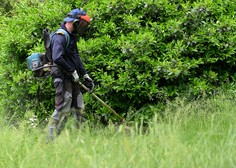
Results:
<point x="65" y="55"/>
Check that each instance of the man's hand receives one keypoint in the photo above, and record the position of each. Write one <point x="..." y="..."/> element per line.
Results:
<point x="87" y="78"/>
<point x="75" y="76"/>
<point x="88" y="82"/>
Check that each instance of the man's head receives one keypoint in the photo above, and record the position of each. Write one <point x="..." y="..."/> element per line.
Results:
<point x="79" y="19"/>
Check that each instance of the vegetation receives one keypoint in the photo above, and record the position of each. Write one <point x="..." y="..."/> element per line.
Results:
<point x="192" y="134"/>
<point x="167" y="66"/>
<point x="139" y="53"/>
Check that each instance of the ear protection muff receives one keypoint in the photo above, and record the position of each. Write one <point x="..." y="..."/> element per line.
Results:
<point x="76" y="23"/>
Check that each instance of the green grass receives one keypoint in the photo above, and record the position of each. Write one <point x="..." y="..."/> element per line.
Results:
<point x="197" y="134"/>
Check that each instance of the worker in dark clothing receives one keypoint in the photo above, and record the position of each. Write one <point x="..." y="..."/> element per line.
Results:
<point x="68" y="98"/>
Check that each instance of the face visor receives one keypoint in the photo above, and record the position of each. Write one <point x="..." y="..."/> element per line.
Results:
<point x="82" y="25"/>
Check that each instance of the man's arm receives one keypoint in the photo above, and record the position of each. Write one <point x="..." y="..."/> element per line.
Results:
<point x="58" y="50"/>
<point x="80" y="64"/>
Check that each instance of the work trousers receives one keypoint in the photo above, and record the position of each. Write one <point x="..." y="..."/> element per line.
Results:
<point x="68" y="96"/>
<point x="68" y="100"/>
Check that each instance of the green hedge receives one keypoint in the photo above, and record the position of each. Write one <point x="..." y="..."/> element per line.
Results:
<point x="138" y="52"/>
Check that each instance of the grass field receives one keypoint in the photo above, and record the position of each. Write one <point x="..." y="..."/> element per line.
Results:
<point x="197" y="134"/>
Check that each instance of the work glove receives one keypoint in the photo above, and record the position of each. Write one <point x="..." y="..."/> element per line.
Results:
<point x="88" y="82"/>
<point x="75" y="76"/>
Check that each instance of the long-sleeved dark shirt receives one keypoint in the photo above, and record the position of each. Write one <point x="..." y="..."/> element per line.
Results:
<point x="67" y="58"/>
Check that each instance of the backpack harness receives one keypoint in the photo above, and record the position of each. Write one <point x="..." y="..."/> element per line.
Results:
<point x="40" y="63"/>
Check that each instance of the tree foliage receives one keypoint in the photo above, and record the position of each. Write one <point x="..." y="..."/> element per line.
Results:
<point x="138" y="52"/>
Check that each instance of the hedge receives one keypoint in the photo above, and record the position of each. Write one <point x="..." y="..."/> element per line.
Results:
<point x="139" y="53"/>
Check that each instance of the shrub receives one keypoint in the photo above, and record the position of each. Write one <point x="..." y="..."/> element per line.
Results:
<point x="138" y="53"/>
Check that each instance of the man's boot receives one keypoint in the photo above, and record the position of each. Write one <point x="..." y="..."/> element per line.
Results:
<point x="53" y="129"/>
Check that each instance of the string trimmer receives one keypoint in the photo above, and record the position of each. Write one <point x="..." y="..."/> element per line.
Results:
<point x="102" y="102"/>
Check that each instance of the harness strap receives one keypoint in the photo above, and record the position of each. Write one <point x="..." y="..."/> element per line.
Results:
<point x="65" y="33"/>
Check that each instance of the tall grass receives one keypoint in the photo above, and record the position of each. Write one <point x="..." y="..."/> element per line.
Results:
<point x="197" y="134"/>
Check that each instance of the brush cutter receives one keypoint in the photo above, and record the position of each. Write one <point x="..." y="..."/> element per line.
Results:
<point x="102" y="102"/>
<point x="126" y="128"/>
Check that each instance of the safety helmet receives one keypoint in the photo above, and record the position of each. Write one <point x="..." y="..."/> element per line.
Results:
<point x="80" y="20"/>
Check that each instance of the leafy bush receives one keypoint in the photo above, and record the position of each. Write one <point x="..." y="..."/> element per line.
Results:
<point x="138" y="53"/>
<point x="146" y="52"/>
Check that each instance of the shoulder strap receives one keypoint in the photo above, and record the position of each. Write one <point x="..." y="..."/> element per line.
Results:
<point x="62" y="31"/>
